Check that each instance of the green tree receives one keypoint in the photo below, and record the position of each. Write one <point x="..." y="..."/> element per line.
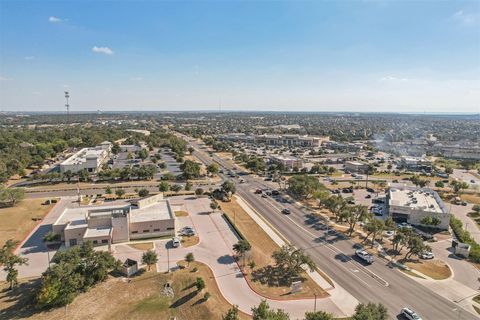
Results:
<point x="74" y="270"/>
<point x="439" y="184"/>
<point x="370" y="311"/>
<point x="263" y="312"/>
<point x="476" y="208"/>
<point x="200" y="284"/>
<point x="353" y="215"/>
<point x="241" y="248"/>
<point x="108" y="190"/>
<point x="214" y="205"/>
<point x="430" y="221"/>
<point x="374" y="227"/>
<point x="188" y="186"/>
<point x="120" y="192"/>
<point x="199" y="191"/>
<point x="415" y="246"/>
<point x="213" y="168"/>
<point x="229" y="187"/>
<point x="176" y="188"/>
<point x="12" y="195"/>
<point x="319" y="315"/>
<point x="116" y="148"/>
<point x="163" y="186"/>
<point x="190" y="169"/>
<point x="290" y="261"/>
<point x="9" y="260"/>
<point x="189" y="258"/>
<point x="143" y="192"/>
<point x="232" y="314"/>
<point x="304" y="186"/>
<point x="149" y="258"/>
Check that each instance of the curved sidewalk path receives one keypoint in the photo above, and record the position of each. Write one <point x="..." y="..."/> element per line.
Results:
<point x="215" y="250"/>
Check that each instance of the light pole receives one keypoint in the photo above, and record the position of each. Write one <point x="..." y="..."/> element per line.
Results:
<point x="315" y="303"/>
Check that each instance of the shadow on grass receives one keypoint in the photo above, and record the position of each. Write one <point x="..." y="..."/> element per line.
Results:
<point x="273" y="277"/>
<point x="23" y="298"/>
<point x="184" y="299"/>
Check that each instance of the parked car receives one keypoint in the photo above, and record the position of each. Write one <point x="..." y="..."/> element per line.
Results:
<point x="364" y="255"/>
<point x="286" y="211"/>
<point x="275" y="192"/>
<point x="389" y="233"/>
<point x="368" y="196"/>
<point x="258" y="191"/>
<point x="264" y="195"/>
<point x="427" y="255"/>
<point x="175" y="242"/>
<point x="410" y="314"/>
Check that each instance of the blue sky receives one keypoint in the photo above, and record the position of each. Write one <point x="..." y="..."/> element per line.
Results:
<point x="395" y="56"/>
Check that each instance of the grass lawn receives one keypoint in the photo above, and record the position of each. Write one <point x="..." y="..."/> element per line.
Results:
<point x="118" y="299"/>
<point x="189" y="241"/>
<point x="181" y="213"/>
<point x="144" y="246"/>
<point x="262" y="248"/>
<point x="472" y="198"/>
<point x="435" y="269"/>
<point x="16" y="222"/>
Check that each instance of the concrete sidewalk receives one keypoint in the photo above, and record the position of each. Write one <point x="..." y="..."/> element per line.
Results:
<point x="215" y="250"/>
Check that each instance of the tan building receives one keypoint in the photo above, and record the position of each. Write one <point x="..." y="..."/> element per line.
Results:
<point x="103" y="225"/>
<point x="356" y="166"/>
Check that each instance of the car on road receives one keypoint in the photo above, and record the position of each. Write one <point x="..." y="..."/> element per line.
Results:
<point x="404" y="225"/>
<point x="427" y="255"/>
<point x="275" y="192"/>
<point x="264" y="195"/>
<point x="364" y="255"/>
<point x="368" y="196"/>
<point x="175" y="242"/>
<point x="286" y="211"/>
<point x="472" y="181"/>
<point x="258" y="191"/>
<point x="410" y="314"/>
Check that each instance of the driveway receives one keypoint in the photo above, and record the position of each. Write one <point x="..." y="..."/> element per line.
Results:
<point x="215" y="250"/>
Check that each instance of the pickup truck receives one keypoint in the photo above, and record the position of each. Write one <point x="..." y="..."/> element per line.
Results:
<point x="364" y="255"/>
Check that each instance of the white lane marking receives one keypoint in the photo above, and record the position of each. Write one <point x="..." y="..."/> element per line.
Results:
<point x="335" y="249"/>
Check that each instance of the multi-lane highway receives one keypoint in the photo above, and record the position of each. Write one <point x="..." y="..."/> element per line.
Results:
<point x="377" y="282"/>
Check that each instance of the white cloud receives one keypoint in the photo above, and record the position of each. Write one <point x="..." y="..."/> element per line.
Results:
<point x="465" y="17"/>
<point x="392" y="78"/>
<point x="53" y="19"/>
<point x="136" y="78"/>
<point x="29" y="57"/>
<point x="104" y="50"/>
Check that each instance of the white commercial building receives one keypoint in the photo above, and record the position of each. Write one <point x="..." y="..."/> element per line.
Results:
<point x="103" y="225"/>
<point x="412" y="205"/>
<point x="294" y="140"/>
<point x="288" y="162"/>
<point x="90" y="159"/>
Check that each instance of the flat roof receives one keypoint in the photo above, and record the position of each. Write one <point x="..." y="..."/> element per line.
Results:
<point x="416" y="199"/>
<point x="82" y="155"/>
<point x="158" y="211"/>
<point x="356" y="163"/>
<point x="97" y="232"/>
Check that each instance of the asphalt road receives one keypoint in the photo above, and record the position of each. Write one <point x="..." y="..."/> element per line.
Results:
<point x="377" y="282"/>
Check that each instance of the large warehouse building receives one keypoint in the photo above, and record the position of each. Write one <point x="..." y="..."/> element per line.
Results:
<point x="412" y="205"/>
<point x="90" y="159"/>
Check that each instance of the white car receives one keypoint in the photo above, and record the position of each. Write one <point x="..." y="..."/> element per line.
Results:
<point x="175" y="242"/>
<point x="427" y="255"/>
<point x="364" y="255"/>
<point x="410" y="314"/>
<point x="389" y="233"/>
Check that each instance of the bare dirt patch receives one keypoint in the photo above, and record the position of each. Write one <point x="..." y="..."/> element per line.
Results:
<point x="181" y="213"/>
<point x="17" y="222"/>
<point x="262" y="248"/>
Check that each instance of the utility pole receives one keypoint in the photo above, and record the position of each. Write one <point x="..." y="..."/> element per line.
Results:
<point x="315" y="303"/>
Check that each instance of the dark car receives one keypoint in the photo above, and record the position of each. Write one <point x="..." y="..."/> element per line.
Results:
<point x="275" y="192"/>
<point x="286" y="211"/>
<point x="368" y="196"/>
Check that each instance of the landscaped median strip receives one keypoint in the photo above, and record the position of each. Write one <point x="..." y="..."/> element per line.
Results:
<point x="274" y="235"/>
